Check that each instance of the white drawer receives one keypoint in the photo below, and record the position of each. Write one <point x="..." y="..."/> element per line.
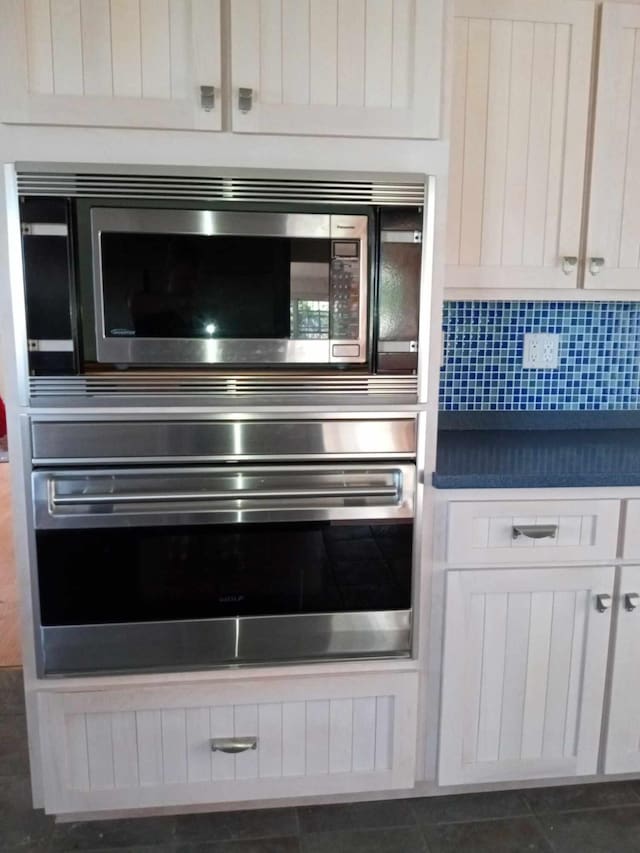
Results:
<point x="127" y="749"/>
<point x="502" y="532"/>
<point x="631" y="539"/>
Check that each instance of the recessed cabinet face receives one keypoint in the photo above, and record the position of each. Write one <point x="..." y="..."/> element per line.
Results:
<point x="111" y="63"/>
<point x="336" y="67"/>
<point x="523" y="673"/>
<point x="622" y="750"/>
<point x="613" y="242"/>
<point x="519" y="128"/>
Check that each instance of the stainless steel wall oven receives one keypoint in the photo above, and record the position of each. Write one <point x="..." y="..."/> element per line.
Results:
<point x="194" y="543"/>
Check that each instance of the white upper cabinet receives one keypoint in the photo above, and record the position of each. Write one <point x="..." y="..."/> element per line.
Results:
<point x="337" y="67"/>
<point x="613" y="243"/>
<point x="323" y="67"/>
<point x="111" y="63"/>
<point x="519" y="127"/>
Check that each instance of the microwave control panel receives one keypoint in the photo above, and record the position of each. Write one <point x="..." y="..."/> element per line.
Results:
<point x="345" y="290"/>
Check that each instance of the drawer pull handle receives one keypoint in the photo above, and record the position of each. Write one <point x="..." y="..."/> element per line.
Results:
<point x="535" y="531"/>
<point x="595" y="265"/>
<point x="631" y="601"/>
<point x="232" y="745"/>
<point x="207" y="98"/>
<point x="603" y="602"/>
<point x="569" y="264"/>
<point x="245" y="99"/>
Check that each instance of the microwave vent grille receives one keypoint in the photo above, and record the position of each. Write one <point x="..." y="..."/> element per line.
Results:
<point x="218" y="189"/>
<point x="161" y="385"/>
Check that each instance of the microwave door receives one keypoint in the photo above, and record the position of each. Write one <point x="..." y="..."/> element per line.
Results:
<point x="225" y="288"/>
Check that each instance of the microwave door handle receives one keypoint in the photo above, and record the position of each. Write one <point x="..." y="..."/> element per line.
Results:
<point x="254" y="494"/>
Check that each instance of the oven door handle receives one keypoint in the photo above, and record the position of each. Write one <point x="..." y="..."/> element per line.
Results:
<point x="245" y="494"/>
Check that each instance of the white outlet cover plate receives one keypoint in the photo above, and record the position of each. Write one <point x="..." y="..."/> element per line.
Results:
<point x="540" y="351"/>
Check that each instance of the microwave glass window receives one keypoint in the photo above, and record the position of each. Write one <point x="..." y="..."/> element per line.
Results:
<point x="196" y="286"/>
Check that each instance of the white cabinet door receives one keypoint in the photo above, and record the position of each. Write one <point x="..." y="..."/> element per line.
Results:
<point x="622" y="751"/>
<point x="613" y="242"/>
<point x="126" y="63"/>
<point x="523" y="673"/>
<point x="520" y="110"/>
<point x="337" y="67"/>
<point x="153" y="746"/>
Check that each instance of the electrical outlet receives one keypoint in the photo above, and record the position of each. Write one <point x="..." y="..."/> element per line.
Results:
<point x="540" y="350"/>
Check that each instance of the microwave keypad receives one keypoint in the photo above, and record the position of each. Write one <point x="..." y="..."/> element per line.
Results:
<point x="345" y="292"/>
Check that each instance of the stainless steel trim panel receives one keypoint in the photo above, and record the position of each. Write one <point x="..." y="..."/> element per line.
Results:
<point x="53" y="345"/>
<point x="199" y="644"/>
<point x="44" y="229"/>
<point x="390" y="236"/>
<point x="397" y="346"/>
<point x="204" y="185"/>
<point x="154" y="497"/>
<point x="134" y="384"/>
<point x="135" y="440"/>
<point x="225" y="351"/>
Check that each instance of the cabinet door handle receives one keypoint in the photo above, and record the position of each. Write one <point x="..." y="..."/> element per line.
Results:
<point x="245" y="99"/>
<point x="631" y="601"/>
<point x="207" y="98"/>
<point x="595" y="265"/>
<point x="603" y="602"/>
<point x="535" y="531"/>
<point x="569" y="263"/>
<point x="233" y="745"/>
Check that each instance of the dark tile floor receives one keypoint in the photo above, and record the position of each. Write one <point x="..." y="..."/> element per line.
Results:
<point x="579" y="819"/>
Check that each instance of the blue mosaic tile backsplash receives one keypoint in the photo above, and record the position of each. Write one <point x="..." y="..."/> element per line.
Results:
<point x="599" y="356"/>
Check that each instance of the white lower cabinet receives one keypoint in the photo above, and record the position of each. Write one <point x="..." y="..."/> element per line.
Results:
<point x="142" y="747"/>
<point x="524" y="672"/>
<point x="622" y="750"/>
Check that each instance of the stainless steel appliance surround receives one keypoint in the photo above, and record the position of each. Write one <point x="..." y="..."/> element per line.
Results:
<point x="294" y="543"/>
<point x="179" y="438"/>
<point x="100" y="257"/>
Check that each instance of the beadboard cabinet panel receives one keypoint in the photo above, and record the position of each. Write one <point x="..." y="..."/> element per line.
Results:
<point x="337" y="67"/>
<point x="519" y="127"/>
<point x="135" y="748"/>
<point x="126" y="63"/>
<point x="524" y="667"/>
<point x="613" y="242"/>
<point x="622" y="749"/>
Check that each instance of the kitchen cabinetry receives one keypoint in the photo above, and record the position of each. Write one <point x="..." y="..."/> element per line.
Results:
<point x="524" y="669"/>
<point x="323" y="67"/>
<point x="518" y="142"/>
<point x="343" y="67"/>
<point x="530" y="648"/>
<point x="290" y="737"/>
<point x="520" y="131"/>
<point x="613" y="238"/>
<point x="622" y="747"/>
<point x="111" y="63"/>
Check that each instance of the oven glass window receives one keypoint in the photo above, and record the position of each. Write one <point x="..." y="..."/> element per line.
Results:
<point x="206" y="572"/>
<point x="196" y="286"/>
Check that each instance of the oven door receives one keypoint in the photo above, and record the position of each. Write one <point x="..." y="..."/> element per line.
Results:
<point x="213" y="287"/>
<point x="145" y="569"/>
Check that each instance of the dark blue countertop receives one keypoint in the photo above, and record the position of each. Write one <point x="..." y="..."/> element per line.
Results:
<point x="492" y="450"/>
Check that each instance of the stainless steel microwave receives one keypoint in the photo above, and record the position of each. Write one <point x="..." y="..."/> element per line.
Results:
<point x="209" y="277"/>
<point x="228" y="287"/>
